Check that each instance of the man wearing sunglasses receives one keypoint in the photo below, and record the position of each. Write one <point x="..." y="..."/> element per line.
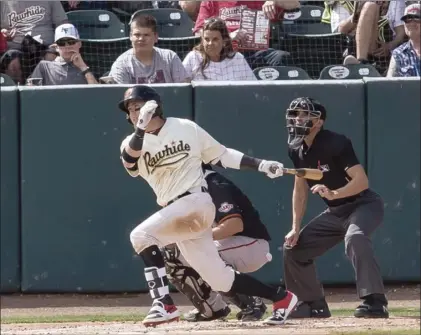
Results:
<point x="69" y="67"/>
<point x="405" y="61"/>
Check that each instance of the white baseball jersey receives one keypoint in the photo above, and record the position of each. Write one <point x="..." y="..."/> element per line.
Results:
<point x="171" y="162"/>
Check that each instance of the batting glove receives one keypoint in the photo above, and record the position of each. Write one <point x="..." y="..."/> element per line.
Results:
<point x="271" y="168"/>
<point x="146" y="113"/>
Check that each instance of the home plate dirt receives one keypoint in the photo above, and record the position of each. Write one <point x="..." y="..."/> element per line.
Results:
<point x="47" y="305"/>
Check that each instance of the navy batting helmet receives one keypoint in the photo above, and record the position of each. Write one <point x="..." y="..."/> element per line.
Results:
<point x="140" y="93"/>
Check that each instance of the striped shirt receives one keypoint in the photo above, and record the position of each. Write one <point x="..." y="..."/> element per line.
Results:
<point x="407" y="61"/>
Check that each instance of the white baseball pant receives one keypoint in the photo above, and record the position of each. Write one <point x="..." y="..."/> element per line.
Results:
<point x="188" y="223"/>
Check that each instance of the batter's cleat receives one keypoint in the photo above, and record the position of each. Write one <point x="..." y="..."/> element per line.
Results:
<point x="282" y="309"/>
<point x="253" y="313"/>
<point x="195" y="316"/>
<point x="312" y="309"/>
<point x="160" y="313"/>
<point x="374" y="306"/>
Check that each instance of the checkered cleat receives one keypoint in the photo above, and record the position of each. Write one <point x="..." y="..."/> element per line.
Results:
<point x="282" y="309"/>
<point x="160" y="313"/>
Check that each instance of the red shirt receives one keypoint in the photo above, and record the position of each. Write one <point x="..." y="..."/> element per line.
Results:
<point x="3" y="43"/>
<point x="229" y="11"/>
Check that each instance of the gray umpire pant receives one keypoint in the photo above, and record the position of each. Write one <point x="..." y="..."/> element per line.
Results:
<point x="353" y="223"/>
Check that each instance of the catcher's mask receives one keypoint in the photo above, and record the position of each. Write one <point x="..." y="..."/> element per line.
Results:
<point x="140" y="93"/>
<point x="301" y="116"/>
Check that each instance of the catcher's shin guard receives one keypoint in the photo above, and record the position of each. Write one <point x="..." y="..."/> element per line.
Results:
<point x="187" y="281"/>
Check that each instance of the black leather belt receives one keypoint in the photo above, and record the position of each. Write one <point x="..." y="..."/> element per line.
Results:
<point x="204" y="189"/>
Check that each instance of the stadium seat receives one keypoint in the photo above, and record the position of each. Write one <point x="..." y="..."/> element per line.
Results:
<point x="97" y="24"/>
<point x="172" y="23"/>
<point x="5" y="80"/>
<point x="350" y="71"/>
<point x="305" y="21"/>
<point x="281" y="73"/>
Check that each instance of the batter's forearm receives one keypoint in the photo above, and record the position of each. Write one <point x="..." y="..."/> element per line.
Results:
<point x="133" y="149"/>
<point x="250" y="163"/>
<point x="235" y="159"/>
<point x="299" y="204"/>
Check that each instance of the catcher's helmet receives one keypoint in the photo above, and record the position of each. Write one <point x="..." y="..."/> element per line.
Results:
<point x="299" y="129"/>
<point x="140" y="93"/>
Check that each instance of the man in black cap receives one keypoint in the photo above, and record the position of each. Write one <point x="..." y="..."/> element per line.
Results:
<point x="354" y="211"/>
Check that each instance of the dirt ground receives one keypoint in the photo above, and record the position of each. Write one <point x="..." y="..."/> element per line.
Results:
<point x="47" y="305"/>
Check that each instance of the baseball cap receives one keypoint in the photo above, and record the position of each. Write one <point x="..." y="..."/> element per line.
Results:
<point x="66" y="30"/>
<point x="412" y="12"/>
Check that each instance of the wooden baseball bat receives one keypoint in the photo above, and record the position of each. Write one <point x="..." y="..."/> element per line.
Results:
<point x="313" y="174"/>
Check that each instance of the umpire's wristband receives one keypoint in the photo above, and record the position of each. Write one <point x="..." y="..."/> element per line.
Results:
<point x="136" y="142"/>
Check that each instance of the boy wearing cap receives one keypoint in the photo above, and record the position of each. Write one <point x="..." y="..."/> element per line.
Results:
<point x="405" y="61"/>
<point x="69" y="68"/>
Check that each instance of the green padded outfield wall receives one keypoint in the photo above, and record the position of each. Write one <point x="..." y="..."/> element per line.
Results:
<point x="78" y="203"/>
<point x="9" y="188"/>
<point x="252" y="119"/>
<point x="393" y="107"/>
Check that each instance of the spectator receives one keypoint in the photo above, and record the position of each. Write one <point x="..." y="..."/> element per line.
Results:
<point x="214" y="58"/>
<point x="85" y="5"/>
<point x="3" y="42"/>
<point x="230" y="12"/>
<point x="145" y="63"/>
<point x="405" y="61"/>
<point x="11" y="65"/>
<point x="69" y="68"/>
<point x="36" y="18"/>
<point x="378" y="29"/>
<point x="191" y="7"/>
<point x="336" y="12"/>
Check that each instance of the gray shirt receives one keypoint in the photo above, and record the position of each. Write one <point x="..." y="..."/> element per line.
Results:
<point x="58" y="72"/>
<point x="39" y="18"/>
<point x="166" y="68"/>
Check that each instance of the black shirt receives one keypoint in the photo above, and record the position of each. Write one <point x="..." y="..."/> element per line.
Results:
<point x="331" y="153"/>
<point x="230" y="201"/>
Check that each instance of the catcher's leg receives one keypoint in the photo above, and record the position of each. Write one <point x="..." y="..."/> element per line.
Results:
<point x="163" y="308"/>
<point x="208" y="304"/>
<point x="246" y="255"/>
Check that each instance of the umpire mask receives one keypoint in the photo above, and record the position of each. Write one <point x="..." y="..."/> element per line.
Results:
<point x="301" y="116"/>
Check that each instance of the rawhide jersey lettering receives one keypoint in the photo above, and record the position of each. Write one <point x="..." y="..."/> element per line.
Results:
<point x="333" y="154"/>
<point x="171" y="161"/>
<point x="231" y="202"/>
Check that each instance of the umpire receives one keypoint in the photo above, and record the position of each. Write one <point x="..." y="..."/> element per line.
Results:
<point x="353" y="212"/>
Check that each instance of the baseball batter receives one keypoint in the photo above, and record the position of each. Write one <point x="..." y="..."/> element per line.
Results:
<point x="353" y="212"/>
<point x="168" y="153"/>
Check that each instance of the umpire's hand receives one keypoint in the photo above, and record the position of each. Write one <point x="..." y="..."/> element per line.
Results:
<point x="291" y="238"/>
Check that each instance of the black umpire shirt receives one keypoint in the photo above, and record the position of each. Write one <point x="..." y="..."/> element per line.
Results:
<point x="230" y="202"/>
<point x="331" y="153"/>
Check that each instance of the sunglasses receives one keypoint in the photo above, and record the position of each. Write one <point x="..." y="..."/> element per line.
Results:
<point x="63" y="42"/>
<point x="412" y="19"/>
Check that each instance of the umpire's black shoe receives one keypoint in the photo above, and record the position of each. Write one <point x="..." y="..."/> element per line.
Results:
<point x="373" y="306"/>
<point x="312" y="309"/>
<point x="195" y="316"/>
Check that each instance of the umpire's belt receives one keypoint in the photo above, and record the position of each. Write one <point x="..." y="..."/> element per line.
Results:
<point x="192" y="191"/>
